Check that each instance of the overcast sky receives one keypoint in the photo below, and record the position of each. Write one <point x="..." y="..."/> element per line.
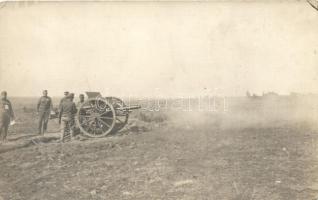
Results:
<point x="162" y="48"/>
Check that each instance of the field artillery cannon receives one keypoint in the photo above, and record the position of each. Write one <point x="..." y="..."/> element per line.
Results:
<point x="99" y="116"/>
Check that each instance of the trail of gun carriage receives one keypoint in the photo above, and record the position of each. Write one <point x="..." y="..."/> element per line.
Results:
<point x="254" y="147"/>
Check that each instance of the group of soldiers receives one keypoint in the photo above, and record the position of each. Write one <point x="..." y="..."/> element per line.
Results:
<point x="66" y="113"/>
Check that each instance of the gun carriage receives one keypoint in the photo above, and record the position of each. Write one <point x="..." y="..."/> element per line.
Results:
<point x="99" y="116"/>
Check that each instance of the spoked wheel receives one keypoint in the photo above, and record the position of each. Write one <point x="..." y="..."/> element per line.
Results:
<point x="122" y="115"/>
<point x="96" y="117"/>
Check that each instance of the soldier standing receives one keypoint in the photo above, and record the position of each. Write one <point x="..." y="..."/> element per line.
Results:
<point x="66" y="93"/>
<point x="78" y="105"/>
<point x="6" y="114"/>
<point x="67" y="115"/>
<point x="44" y="108"/>
<point x="81" y="101"/>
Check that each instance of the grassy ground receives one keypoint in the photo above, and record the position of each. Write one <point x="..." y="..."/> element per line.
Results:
<point x="260" y="150"/>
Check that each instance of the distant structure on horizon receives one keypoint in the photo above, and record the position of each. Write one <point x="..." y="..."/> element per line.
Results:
<point x="264" y="95"/>
<point x="272" y="94"/>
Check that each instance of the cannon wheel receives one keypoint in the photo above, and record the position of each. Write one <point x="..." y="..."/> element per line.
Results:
<point x="121" y="115"/>
<point x="96" y="117"/>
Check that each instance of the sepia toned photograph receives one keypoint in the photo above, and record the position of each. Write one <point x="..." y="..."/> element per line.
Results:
<point x="159" y="100"/>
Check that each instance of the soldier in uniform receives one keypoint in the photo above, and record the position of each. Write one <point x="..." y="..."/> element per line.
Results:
<point x="67" y="116"/>
<point x="66" y="93"/>
<point x="44" y="108"/>
<point x="81" y="101"/>
<point x="78" y="105"/>
<point x="6" y="114"/>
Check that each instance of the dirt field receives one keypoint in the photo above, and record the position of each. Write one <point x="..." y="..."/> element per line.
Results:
<point x="256" y="150"/>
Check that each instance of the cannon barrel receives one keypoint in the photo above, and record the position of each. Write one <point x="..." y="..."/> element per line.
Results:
<point x="133" y="107"/>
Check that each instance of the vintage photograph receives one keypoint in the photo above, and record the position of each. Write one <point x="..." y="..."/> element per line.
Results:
<point x="159" y="100"/>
